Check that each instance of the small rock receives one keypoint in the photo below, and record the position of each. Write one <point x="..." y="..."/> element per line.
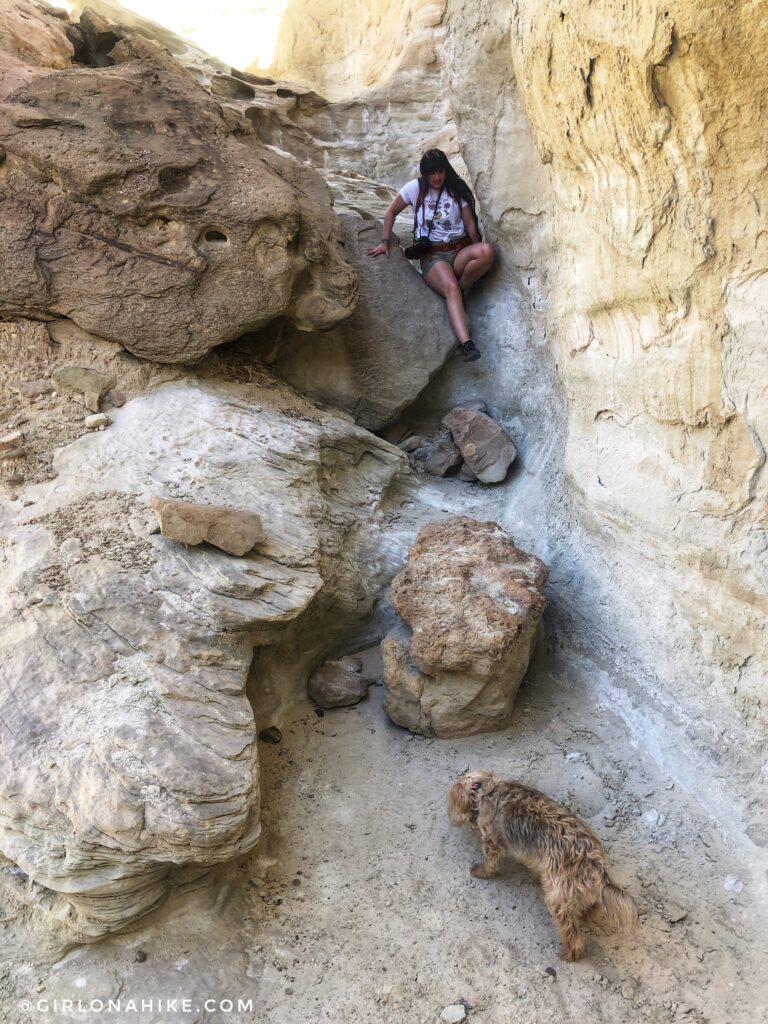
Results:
<point x="575" y="755"/>
<point x="336" y="685"/>
<point x="466" y="474"/>
<point x="550" y="971"/>
<point x="83" y="379"/>
<point x="629" y="990"/>
<point x="674" y="913"/>
<point x="487" y="449"/>
<point x="732" y="884"/>
<point x="97" y="421"/>
<point x="454" y="1014"/>
<point x="444" y="457"/>
<point x="11" y="442"/>
<point x="116" y="398"/>
<point x="653" y="817"/>
<point x="141" y="956"/>
<point x="235" y="531"/>
<point x="411" y="443"/>
<point x="271" y="734"/>
<point x="92" y="400"/>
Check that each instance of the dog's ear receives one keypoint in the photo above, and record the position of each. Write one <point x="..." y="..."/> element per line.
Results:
<point x="460" y="809"/>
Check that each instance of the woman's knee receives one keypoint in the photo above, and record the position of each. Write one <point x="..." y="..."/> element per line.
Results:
<point x="488" y="252"/>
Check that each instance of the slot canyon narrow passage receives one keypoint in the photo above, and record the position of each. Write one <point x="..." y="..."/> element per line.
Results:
<point x="231" y="443"/>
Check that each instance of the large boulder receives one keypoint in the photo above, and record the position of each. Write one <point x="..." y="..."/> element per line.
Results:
<point x="135" y="207"/>
<point x="29" y="35"/>
<point x="129" y="752"/>
<point x="375" y="363"/>
<point x="471" y="603"/>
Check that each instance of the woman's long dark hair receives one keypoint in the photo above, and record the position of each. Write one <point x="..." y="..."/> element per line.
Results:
<point x="436" y="160"/>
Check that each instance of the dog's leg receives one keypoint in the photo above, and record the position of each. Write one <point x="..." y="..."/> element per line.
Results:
<point x="568" y="918"/>
<point x="491" y="854"/>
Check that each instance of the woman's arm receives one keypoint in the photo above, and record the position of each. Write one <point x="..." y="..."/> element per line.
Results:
<point x="470" y="224"/>
<point x="397" y="205"/>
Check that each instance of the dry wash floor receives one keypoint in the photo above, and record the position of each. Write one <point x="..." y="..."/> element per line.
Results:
<point x="358" y="906"/>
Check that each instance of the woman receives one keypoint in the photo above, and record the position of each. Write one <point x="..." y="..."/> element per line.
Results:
<point x="444" y="212"/>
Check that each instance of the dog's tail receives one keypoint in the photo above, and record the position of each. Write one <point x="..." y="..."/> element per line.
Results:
<point x="618" y="906"/>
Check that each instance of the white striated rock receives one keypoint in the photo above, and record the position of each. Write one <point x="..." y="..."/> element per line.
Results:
<point x="130" y="754"/>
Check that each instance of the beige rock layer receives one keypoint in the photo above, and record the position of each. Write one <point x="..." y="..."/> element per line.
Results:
<point x="661" y="293"/>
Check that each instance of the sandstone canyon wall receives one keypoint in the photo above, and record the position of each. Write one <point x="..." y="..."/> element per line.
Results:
<point x="616" y="151"/>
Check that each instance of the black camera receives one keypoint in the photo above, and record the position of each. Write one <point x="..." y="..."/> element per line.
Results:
<point x="419" y="248"/>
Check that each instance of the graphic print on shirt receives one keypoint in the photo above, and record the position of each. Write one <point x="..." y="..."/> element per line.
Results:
<point x="442" y="215"/>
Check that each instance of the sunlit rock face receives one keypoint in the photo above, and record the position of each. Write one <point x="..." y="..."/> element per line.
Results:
<point x="650" y="117"/>
<point x="131" y="207"/>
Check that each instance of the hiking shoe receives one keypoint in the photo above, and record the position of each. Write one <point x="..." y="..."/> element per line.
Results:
<point x="468" y="351"/>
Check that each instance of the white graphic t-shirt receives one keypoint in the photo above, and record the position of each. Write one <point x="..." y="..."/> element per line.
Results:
<point x="447" y="224"/>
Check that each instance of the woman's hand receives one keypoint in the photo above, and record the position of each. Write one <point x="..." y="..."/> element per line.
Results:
<point x="382" y="249"/>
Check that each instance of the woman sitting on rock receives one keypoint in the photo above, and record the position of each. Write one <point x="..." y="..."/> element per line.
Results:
<point x="447" y="238"/>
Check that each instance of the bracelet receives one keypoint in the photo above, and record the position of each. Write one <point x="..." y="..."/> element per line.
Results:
<point x="387" y="240"/>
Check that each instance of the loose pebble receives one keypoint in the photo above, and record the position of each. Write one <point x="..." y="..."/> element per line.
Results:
<point x="96" y="422"/>
<point x="271" y="734"/>
<point x="454" y="1014"/>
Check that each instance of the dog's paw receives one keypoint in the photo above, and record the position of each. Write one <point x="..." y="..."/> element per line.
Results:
<point x="569" y="953"/>
<point x="478" y="871"/>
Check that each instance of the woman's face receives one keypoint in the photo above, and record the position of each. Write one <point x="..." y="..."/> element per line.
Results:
<point x="436" y="179"/>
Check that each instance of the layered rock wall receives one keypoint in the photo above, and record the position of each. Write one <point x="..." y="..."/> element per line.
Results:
<point x="616" y="152"/>
<point x="650" y="118"/>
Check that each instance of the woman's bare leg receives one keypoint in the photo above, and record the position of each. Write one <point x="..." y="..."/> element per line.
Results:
<point x="441" y="279"/>
<point x="472" y="262"/>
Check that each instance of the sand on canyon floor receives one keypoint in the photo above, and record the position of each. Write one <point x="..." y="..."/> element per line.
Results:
<point x="358" y="907"/>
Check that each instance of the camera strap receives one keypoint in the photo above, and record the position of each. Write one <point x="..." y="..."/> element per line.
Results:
<point x="420" y="205"/>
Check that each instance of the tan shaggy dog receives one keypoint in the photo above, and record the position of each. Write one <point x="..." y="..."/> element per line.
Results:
<point x="550" y="841"/>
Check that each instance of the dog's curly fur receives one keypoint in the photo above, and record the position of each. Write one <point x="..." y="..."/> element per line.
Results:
<point x="550" y="841"/>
